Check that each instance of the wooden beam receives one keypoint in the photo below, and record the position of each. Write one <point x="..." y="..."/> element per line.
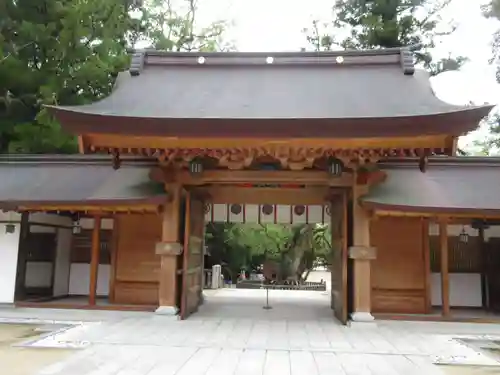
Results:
<point x="94" y="260"/>
<point x="253" y="177"/>
<point x="445" y="276"/>
<point x="162" y="143"/>
<point x="92" y="209"/>
<point x="308" y="196"/>
<point x="452" y="218"/>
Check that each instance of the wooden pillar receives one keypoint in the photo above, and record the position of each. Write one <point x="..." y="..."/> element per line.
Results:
<point x="445" y="276"/>
<point x="427" y="265"/>
<point x="94" y="259"/>
<point x="169" y="249"/>
<point x="362" y="254"/>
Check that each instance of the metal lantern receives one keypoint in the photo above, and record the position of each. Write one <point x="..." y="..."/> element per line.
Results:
<point x="463" y="237"/>
<point x="335" y="167"/>
<point x="10" y="228"/>
<point x="77" y="227"/>
<point x="195" y="166"/>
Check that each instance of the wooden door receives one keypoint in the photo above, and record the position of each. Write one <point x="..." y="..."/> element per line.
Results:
<point x="338" y="269"/>
<point x="493" y="273"/>
<point x="40" y="264"/>
<point x="192" y="262"/>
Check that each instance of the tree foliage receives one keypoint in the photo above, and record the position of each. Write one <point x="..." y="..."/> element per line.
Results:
<point x="492" y="10"/>
<point x="55" y="52"/>
<point x="296" y="249"/>
<point x="372" y="24"/>
<point x="171" y="25"/>
<point x="68" y="52"/>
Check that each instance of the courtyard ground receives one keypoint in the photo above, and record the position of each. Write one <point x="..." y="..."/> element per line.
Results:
<point x="232" y="334"/>
<point x="16" y="360"/>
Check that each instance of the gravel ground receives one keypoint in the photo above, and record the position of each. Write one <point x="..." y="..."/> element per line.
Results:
<point x="24" y="361"/>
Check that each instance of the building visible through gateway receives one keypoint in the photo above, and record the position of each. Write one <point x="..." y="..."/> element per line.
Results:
<point x="354" y="139"/>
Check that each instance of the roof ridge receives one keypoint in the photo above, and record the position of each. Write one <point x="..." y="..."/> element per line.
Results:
<point x="453" y="161"/>
<point x="400" y="55"/>
<point x="72" y="159"/>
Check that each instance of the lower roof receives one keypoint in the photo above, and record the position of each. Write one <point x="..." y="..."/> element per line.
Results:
<point x="454" y="185"/>
<point x="462" y="185"/>
<point x="76" y="180"/>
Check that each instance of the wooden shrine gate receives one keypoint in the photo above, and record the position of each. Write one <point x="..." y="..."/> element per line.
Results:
<point x="193" y="255"/>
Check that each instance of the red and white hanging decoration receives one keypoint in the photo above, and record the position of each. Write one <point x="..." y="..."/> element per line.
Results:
<point x="267" y="213"/>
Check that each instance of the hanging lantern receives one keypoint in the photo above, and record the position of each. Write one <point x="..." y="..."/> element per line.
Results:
<point x="10" y="227"/>
<point x="77" y="228"/>
<point x="463" y="237"/>
<point x="195" y="166"/>
<point x="335" y="167"/>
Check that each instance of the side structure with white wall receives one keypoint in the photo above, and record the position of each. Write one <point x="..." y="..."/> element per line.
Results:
<point x="60" y="276"/>
<point x="465" y="287"/>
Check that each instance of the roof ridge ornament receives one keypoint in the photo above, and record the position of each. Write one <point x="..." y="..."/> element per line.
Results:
<point x="407" y="61"/>
<point x="137" y="63"/>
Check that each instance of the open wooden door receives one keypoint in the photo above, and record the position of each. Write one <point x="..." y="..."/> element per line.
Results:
<point x="338" y="269"/>
<point x="192" y="262"/>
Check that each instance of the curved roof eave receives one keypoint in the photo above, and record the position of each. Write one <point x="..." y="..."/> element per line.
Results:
<point x="455" y="122"/>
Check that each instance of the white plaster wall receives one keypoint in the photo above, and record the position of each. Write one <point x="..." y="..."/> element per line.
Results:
<point x="62" y="269"/>
<point x="9" y="248"/>
<point x="465" y="289"/>
<point x="80" y="279"/>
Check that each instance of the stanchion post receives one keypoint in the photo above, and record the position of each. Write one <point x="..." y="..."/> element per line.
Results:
<point x="267" y="307"/>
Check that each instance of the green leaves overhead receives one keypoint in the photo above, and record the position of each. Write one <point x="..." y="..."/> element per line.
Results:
<point x="68" y="52"/>
<point x="371" y="24"/>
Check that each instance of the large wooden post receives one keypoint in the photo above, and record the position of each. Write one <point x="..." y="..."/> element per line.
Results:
<point x="362" y="254"/>
<point x="169" y="249"/>
<point x="445" y="276"/>
<point x="94" y="259"/>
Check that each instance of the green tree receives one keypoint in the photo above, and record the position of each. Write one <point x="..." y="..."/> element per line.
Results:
<point x="492" y="10"/>
<point x="171" y="25"/>
<point x="68" y="52"/>
<point x="55" y="52"/>
<point x="372" y="24"/>
<point x="296" y="249"/>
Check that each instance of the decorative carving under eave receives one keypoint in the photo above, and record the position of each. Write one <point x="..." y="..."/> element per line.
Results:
<point x="291" y="158"/>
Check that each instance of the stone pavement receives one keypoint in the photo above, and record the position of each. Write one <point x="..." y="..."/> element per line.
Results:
<point x="232" y="334"/>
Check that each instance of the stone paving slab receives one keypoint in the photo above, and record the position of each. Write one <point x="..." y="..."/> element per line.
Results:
<point x="232" y="334"/>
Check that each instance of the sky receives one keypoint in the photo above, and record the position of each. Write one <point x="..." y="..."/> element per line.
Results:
<point x="276" y="25"/>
